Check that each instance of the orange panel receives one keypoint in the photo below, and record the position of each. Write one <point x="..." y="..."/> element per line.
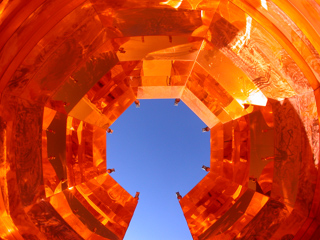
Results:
<point x="207" y="202"/>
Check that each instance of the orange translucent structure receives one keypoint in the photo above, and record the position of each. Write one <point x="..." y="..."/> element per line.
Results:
<point x="250" y="69"/>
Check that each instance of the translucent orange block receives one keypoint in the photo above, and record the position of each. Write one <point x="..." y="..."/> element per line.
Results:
<point x="265" y="76"/>
<point x="84" y="78"/>
<point x="131" y="22"/>
<point x="21" y="185"/>
<point x="103" y="6"/>
<point x="156" y="92"/>
<point x="293" y="33"/>
<point x="108" y="202"/>
<point x="50" y="223"/>
<point x="105" y="102"/>
<point x="79" y="156"/>
<point x="289" y="48"/>
<point x="210" y="92"/>
<point x="273" y="214"/>
<point x="236" y="218"/>
<point x="71" y="214"/>
<point x="213" y="95"/>
<point x="230" y="150"/>
<point x="217" y="149"/>
<point x="8" y="230"/>
<point x="33" y="25"/>
<point x="234" y="81"/>
<point x="291" y="225"/>
<point x="244" y="48"/>
<point x="180" y="48"/>
<point x="306" y="16"/>
<point x="261" y="153"/>
<point x="54" y="159"/>
<point x="86" y="151"/>
<point x="288" y="68"/>
<point x="161" y="79"/>
<point x="199" y="108"/>
<point x="207" y="202"/>
<point x="58" y="66"/>
<point x="147" y="85"/>
<point x="290" y="144"/>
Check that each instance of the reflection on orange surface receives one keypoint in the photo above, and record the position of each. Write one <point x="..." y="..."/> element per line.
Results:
<point x="207" y="202"/>
<point x="249" y="69"/>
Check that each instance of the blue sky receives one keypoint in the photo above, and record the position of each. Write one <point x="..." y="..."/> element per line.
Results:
<point x="157" y="150"/>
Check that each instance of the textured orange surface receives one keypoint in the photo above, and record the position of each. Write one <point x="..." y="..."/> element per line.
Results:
<point x="249" y="69"/>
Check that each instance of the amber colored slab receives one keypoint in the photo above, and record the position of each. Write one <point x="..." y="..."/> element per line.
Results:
<point x="236" y="218"/>
<point x="280" y="59"/>
<point x="248" y="51"/>
<point x="207" y="202"/>
<point x="25" y="157"/>
<point x="287" y="151"/>
<point x="158" y="48"/>
<point x="50" y="222"/>
<point x="160" y="79"/>
<point x="216" y="148"/>
<point x="21" y="180"/>
<point x="309" y="147"/>
<point x="71" y="216"/>
<point x="50" y="179"/>
<point x="293" y="33"/>
<point x="290" y="142"/>
<point x="12" y="14"/>
<point x="315" y="204"/>
<point x="181" y="68"/>
<point x="59" y="66"/>
<point x="156" y="92"/>
<point x="56" y="150"/>
<point x="108" y="202"/>
<point x="86" y="111"/>
<point x="256" y="39"/>
<point x="230" y="150"/>
<point x="86" y="151"/>
<point x="241" y="156"/>
<point x="82" y="80"/>
<point x="308" y="114"/>
<point x="172" y="75"/>
<point x="106" y="100"/>
<point x="290" y="226"/>
<point x="199" y="108"/>
<point x="105" y="5"/>
<point x="99" y="149"/>
<point x="208" y="90"/>
<point x="32" y="31"/>
<point x="102" y="6"/>
<point x="234" y="81"/>
<point x="46" y="47"/>
<point x="150" y="21"/>
<point x="268" y="220"/>
<point x="80" y="156"/>
<point x="8" y="229"/>
<point x="281" y="39"/>
<point x="306" y="16"/>
<point x="262" y="152"/>
<point x="83" y="211"/>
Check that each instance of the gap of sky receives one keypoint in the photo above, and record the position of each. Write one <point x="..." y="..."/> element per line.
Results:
<point x="158" y="150"/>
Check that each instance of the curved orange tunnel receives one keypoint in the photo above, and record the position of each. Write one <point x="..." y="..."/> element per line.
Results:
<point x="250" y="69"/>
